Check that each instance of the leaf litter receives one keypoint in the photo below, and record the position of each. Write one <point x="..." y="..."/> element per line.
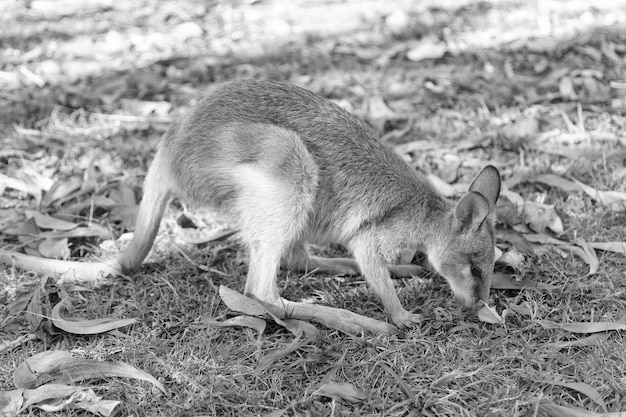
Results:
<point x="567" y="81"/>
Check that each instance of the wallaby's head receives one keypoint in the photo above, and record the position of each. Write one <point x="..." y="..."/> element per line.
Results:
<point x="464" y="250"/>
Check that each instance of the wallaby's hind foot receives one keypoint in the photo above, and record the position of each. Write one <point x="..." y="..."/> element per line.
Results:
<point x="274" y="200"/>
<point x="300" y="260"/>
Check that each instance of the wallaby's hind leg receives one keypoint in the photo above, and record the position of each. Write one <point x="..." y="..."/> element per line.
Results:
<point x="275" y="196"/>
<point x="300" y="260"/>
<point x="272" y="216"/>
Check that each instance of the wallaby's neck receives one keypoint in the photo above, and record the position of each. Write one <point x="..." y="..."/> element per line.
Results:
<point x="430" y="217"/>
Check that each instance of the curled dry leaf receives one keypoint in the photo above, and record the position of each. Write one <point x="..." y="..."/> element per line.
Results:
<point x="512" y="258"/>
<point x="342" y="390"/>
<point x="305" y="334"/>
<point x="488" y="314"/>
<point x="84" y="399"/>
<point x="240" y="303"/>
<point x="61" y="367"/>
<point x="55" y="397"/>
<point x="54" y="248"/>
<point x="541" y="216"/>
<point x="240" y="321"/>
<point x="585" y="252"/>
<point x="86" y="326"/>
<point x="606" y="198"/>
<point x="445" y="189"/>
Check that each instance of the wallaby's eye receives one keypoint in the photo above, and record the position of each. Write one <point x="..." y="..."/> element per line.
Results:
<point x="476" y="271"/>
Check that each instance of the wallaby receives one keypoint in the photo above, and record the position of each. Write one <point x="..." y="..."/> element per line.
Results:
<point x="290" y="168"/>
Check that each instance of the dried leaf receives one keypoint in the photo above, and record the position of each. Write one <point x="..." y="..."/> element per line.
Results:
<point x="20" y="303"/>
<point x="488" y="314"/>
<point x="54" y="248"/>
<point x="523" y="128"/>
<point x="11" y="402"/>
<point x="513" y="197"/>
<point x="500" y="281"/>
<point x="20" y="185"/>
<point x="146" y="108"/>
<point x="342" y="390"/>
<point x="25" y="376"/>
<point x="240" y="321"/>
<point x="617" y="247"/>
<point x="553" y="410"/>
<point x="581" y="387"/>
<point x="240" y="303"/>
<point x="541" y="216"/>
<point x="545" y="240"/>
<point x="449" y="168"/>
<point x="378" y="110"/>
<point x="56" y="397"/>
<point x="557" y="181"/>
<point x="583" y="327"/>
<point x="512" y="258"/>
<point x="62" y="189"/>
<point x="415" y="146"/>
<point x="305" y="334"/>
<point x="442" y="187"/>
<point x="523" y="309"/>
<point x="92" y="230"/>
<point x="587" y="254"/>
<point x="427" y="49"/>
<point x="515" y="238"/>
<point x="61" y="367"/>
<point x="596" y="339"/>
<point x="10" y="217"/>
<point x="86" y="326"/>
<point x="606" y="198"/>
<point x="566" y="88"/>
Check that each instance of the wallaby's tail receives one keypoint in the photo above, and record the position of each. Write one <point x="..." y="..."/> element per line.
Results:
<point x="155" y="197"/>
<point x="156" y="192"/>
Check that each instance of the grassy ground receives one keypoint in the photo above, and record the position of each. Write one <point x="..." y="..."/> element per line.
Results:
<point x="505" y="63"/>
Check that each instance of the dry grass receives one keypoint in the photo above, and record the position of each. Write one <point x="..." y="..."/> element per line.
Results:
<point x="450" y="366"/>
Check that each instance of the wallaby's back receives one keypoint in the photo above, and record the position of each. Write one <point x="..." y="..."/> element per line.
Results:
<point x="357" y="173"/>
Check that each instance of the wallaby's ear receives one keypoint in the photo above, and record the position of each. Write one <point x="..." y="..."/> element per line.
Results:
<point x="470" y="211"/>
<point x="487" y="183"/>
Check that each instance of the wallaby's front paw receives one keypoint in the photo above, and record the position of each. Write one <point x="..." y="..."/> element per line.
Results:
<point x="404" y="319"/>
